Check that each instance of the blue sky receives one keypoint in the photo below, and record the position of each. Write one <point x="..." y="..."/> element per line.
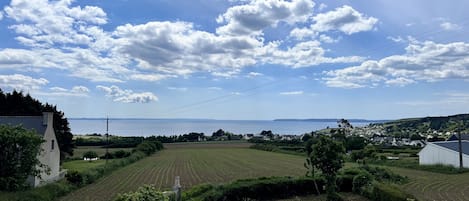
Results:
<point x="239" y="59"/>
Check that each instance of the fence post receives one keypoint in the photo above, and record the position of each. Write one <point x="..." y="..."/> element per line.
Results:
<point x="177" y="189"/>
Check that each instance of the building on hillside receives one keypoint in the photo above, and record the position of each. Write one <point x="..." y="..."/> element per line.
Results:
<point x="456" y="137"/>
<point x="50" y="154"/>
<point x="444" y="152"/>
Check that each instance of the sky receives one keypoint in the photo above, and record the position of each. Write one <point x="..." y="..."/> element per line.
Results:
<point x="259" y="59"/>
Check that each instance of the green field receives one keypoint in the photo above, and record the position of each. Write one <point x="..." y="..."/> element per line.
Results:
<point x="195" y="164"/>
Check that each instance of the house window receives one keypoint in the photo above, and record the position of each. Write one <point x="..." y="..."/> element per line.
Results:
<point x="52" y="145"/>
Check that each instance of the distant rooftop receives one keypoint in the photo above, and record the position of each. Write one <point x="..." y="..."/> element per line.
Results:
<point x="453" y="145"/>
<point x="455" y="137"/>
<point x="28" y="122"/>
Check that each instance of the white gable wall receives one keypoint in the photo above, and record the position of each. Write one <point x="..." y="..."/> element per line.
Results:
<point x="433" y="154"/>
<point x="49" y="157"/>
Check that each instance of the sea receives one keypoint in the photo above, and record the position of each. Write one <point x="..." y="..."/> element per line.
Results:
<point x="168" y="127"/>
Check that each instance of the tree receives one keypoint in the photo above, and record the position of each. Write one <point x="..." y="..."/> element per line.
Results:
<point x="218" y="133"/>
<point x="17" y="104"/>
<point x="328" y="156"/>
<point x="19" y="149"/>
<point x="90" y="154"/>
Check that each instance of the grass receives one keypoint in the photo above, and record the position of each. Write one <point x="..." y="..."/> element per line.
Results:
<point x="435" y="186"/>
<point x="346" y="196"/>
<point x="80" y="150"/>
<point x="81" y="165"/>
<point x="195" y="164"/>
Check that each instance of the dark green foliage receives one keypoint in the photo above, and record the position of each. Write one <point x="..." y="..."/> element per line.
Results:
<point x="355" y="143"/>
<point x="255" y="189"/>
<point x="111" y="142"/>
<point x="17" y="104"/>
<point x="90" y="154"/>
<point x="19" y="149"/>
<point x="44" y="193"/>
<point x="121" y="154"/>
<point x="144" y="193"/>
<point x="388" y="192"/>
<point x="328" y="156"/>
<point x="361" y="181"/>
<point x="74" y="177"/>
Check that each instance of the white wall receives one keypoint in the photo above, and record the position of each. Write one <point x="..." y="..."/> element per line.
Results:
<point x="48" y="156"/>
<point x="434" y="154"/>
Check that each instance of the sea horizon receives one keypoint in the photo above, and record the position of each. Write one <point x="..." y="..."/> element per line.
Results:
<point x="167" y="127"/>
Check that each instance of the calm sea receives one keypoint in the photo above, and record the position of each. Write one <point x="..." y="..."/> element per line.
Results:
<point x="147" y="127"/>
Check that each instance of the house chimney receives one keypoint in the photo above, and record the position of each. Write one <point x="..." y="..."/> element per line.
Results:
<point x="47" y="118"/>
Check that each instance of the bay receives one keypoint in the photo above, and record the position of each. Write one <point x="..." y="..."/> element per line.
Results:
<point x="167" y="127"/>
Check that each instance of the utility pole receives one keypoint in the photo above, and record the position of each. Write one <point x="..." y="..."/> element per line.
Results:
<point x="107" y="138"/>
<point x="460" y="150"/>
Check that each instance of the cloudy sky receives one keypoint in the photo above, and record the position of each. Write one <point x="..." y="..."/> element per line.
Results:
<point x="262" y="59"/>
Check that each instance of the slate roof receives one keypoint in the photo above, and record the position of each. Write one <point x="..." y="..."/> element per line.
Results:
<point x="455" y="137"/>
<point x="453" y="145"/>
<point x="28" y="122"/>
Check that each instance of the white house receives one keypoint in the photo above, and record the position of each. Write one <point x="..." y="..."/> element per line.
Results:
<point x="444" y="152"/>
<point x="50" y="154"/>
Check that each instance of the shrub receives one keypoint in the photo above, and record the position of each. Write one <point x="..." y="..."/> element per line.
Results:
<point x="90" y="154"/>
<point x="121" y="154"/>
<point x="388" y="192"/>
<point x="145" y="193"/>
<point x="361" y="182"/>
<point x="74" y="178"/>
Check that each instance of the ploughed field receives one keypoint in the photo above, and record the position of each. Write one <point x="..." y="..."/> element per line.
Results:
<point x="195" y="164"/>
<point x="435" y="186"/>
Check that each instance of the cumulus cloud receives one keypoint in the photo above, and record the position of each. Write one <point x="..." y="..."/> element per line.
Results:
<point x="127" y="96"/>
<point x="448" y="26"/>
<point x="254" y="74"/>
<point x="21" y="82"/>
<point x="344" y="19"/>
<point x="289" y="93"/>
<point x="303" y="54"/>
<point x="60" y="35"/>
<point x="252" y="18"/>
<point x="59" y="91"/>
<point x="423" y="61"/>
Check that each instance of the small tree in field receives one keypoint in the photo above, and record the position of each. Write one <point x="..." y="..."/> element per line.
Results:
<point x="19" y="149"/>
<point x="328" y="156"/>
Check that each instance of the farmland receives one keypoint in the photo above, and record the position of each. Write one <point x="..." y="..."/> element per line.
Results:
<point x="435" y="186"/>
<point x="195" y="164"/>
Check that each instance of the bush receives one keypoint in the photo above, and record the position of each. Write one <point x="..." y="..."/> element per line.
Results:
<point x="388" y="192"/>
<point x="361" y="182"/>
<point x="121" y="154"/>
<point x="74" y="178"/>
<point x="257" y="189"/>
<point x="145" y="193"/>
<point x="90" y="154"/>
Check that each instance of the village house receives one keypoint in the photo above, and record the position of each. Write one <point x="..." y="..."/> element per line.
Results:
<point x="50" y="154"/>
<point x="444" y="152"/>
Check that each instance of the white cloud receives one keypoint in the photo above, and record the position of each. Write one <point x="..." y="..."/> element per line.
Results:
<point x="178" y="88"/>
<point x="1" y="15"/>
<point x="254" y="74"/>
<point x="322" y="6"/>
<point x="289" y="93"/>
<point x="60" y="35"/>
<point x="252" y="18"/>
<point x="449" y="26"/>
<point x="423" y="61"/>
<point x="236" y="93"/>
<point x="303" y="54"/>
<point x="21" y="82"/>
<point x="345" y="19"/>
<point x="127" y="96"/>
<point x="78" y="91"/>
<point x="215" y="88"/>
<point x="397" y="39"/>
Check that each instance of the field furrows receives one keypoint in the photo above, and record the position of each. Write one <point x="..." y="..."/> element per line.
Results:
<point x="435" y="186"/>
<point x="194" y="165"/>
